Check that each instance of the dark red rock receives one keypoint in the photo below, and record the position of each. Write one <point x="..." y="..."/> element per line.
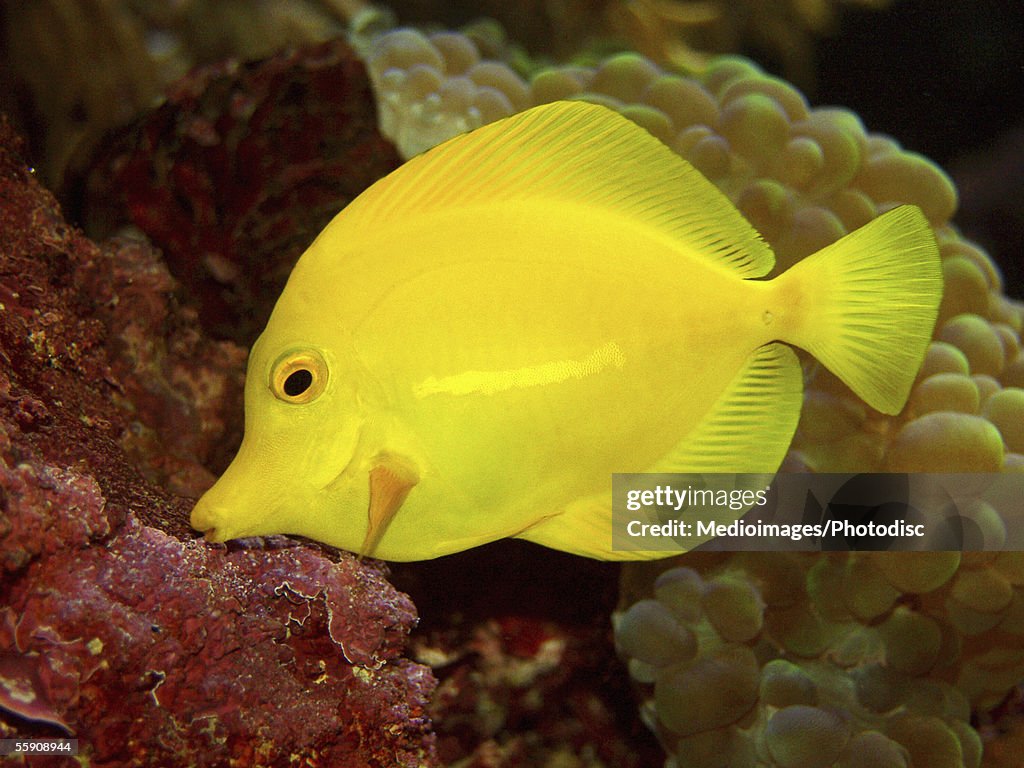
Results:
<point x="116" y="624"/>
<point x="149" y="642"/>
<point x="239" y="170"/>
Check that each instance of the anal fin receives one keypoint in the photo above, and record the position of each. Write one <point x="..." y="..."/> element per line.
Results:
<point x="748" y="430"/>
<point x="584" y="528"/>
<point x="750" y="427"/>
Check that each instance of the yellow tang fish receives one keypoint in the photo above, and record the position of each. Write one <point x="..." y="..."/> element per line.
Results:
<point x="474" y="345"/>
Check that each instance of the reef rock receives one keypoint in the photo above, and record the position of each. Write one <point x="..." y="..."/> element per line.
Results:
<point x="117" y="627"/>
<point x="237" y="171"/>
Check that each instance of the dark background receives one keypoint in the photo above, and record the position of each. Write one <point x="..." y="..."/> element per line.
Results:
<point x="946" y="79"/>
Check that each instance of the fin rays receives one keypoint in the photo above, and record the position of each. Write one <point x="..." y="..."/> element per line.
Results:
<point x="572" y="152"/>
<point x="876" y="297"/>
<point x="749" y="429"/>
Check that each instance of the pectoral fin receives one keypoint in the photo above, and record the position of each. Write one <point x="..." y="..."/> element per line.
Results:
<point x="391" y="479"/>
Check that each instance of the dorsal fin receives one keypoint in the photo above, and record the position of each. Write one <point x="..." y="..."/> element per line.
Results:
<point x="571" y="152"/>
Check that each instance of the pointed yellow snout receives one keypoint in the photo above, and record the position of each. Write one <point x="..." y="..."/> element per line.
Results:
<point x="240" y="504"/>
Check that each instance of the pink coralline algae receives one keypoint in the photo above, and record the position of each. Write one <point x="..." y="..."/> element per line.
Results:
<point x="153" y="651"/>
<point x="117" y="627"/>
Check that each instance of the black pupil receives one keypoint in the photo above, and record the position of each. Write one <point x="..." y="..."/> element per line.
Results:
<point x="297" y="382"/>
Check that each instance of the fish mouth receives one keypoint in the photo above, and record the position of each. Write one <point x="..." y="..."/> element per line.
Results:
<point x="209" y="521"/>
<point x="220" y="522"/>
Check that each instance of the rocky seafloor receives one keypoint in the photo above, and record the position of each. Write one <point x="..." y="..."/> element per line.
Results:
<point x="118" y="626"/>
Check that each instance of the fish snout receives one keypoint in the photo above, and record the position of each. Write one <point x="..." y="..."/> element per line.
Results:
<point x="235" y="505"/>
<point x="234" y="508"/>
<point x="209" y="518"/>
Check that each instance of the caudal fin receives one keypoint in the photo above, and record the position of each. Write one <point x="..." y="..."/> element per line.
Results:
<point x="872" y="300"/>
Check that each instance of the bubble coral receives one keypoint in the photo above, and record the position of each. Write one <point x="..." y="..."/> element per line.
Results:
<point x="797" y="661"/>
<point x="804" y="177"/>
<point x="857" y="659"/>
<point x="686" y="33"/>
<point x="674" y="33"/>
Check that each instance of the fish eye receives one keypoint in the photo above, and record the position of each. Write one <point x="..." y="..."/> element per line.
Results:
<point x="298" y="377"/>
<point x="298" y="382"/>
